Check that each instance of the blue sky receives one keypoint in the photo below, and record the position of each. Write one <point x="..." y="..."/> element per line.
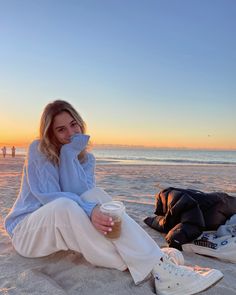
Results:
<point x="159" y="73"/>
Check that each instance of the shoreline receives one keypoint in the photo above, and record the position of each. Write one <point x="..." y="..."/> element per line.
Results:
<point x="132" y="162"/>
<point x="165" y="165"/>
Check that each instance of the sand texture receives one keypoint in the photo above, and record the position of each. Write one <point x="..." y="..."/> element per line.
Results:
<point x="67" y="272"/>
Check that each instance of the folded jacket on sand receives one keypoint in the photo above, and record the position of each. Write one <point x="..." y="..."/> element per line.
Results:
<point x="223" y="248"/>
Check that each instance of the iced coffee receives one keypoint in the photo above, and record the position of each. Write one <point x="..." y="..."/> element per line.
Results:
<point x="114" y="209"/>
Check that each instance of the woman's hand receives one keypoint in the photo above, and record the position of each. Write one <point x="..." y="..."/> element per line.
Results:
<point x="100" y="221"/>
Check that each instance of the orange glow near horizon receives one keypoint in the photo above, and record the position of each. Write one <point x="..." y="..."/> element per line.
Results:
<point x="165" y="141"/>
<point x="23" y="137"/>
<point x="118" y="144"/>
<point x="14" y="133"/>
<point x="20" y="139"/>
<point x="163" y="144"/>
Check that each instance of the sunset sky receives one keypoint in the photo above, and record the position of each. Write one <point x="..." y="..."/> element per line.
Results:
<point x="140" y="72"/>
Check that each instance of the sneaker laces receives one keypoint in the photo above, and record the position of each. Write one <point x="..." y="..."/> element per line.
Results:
<point x="178" y="270"/>
<point x="171" y="259"/>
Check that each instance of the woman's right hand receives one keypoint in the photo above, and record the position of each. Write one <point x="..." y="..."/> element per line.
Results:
<point x="100" y="221"/>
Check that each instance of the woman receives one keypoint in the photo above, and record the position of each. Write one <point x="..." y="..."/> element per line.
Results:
<point x="58" y="209"/>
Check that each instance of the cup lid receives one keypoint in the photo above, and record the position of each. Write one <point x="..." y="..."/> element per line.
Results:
<point x="113" y="205"/>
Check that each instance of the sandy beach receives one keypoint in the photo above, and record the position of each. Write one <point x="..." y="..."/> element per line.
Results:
<point x="67" y="272"/>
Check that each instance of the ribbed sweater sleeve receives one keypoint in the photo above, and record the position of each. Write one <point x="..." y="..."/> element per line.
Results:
<point x="76" y="177"/>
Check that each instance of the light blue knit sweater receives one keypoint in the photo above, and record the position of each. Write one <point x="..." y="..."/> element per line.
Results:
<point x="43" y="182"/>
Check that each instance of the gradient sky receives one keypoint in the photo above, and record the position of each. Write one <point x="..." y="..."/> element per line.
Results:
<point x="150" y="72"/>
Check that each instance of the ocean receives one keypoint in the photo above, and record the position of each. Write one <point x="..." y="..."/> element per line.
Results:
<point x="156" y="156"/>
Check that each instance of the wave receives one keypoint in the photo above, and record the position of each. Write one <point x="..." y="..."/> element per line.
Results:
<point x="167" y="161"/>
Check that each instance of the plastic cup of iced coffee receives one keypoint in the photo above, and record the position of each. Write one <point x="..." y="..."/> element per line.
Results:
<point x="114" y="209"/>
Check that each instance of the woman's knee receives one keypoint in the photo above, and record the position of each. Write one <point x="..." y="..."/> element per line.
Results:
<point x="63" y="208"/>
<point x="96" y="194"/>
<point x="62" y="204"/>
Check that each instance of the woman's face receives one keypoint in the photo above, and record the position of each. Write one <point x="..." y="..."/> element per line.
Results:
<point x="64" y="126"/>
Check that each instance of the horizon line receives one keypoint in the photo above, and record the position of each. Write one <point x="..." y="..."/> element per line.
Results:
<point x="111" y="145"/>
<point x="162" y="147"/>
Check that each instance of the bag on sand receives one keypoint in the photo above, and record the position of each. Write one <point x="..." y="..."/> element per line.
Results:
<point x="209" y="244"/>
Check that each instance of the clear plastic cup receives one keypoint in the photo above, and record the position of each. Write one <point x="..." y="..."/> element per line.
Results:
<point x="115" y="209"/>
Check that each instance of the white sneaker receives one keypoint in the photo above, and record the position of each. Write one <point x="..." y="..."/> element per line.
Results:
<point x="223" y="248"/>
<point x="174" y="255"/>
<point x="172" y="279"/>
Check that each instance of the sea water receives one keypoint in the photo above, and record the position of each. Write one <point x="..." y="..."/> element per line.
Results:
<point x="148" y="156"/>
<point x="164" y="156"/>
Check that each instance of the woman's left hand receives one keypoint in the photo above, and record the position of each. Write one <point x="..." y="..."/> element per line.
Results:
<point x="101" y="222"/>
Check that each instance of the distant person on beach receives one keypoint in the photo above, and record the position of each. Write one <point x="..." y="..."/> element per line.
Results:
<point x="4" y="151"/>
<point x="13" y="151"/>
<point x="58" y="208"/>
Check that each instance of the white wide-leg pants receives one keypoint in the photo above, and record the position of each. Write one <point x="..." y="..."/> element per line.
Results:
<point x="62" y="225"/>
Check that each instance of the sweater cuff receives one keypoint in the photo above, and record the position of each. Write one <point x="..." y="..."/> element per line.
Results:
<point x="77" y="144"/>
<point x="88" y="207"/>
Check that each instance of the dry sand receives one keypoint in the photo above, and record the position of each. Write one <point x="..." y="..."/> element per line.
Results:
<point x="67" y="272"/>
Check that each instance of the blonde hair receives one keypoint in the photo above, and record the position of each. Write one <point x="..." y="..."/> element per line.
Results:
<point x="48" y="144"/>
